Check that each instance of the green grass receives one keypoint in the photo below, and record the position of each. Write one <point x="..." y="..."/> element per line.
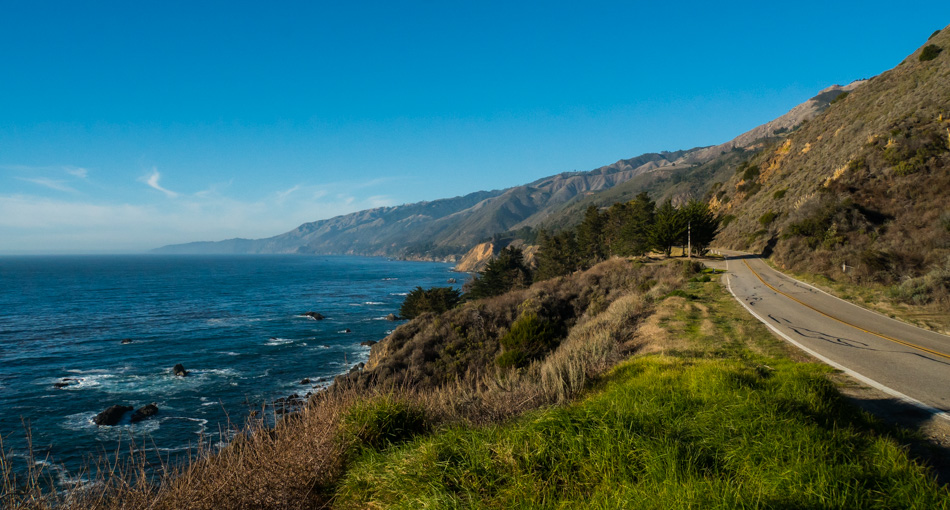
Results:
<point x="728" y="422"/>
<point x="663" y="432"/>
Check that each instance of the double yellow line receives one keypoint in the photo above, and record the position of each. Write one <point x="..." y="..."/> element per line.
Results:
<point x="846" y="323"/>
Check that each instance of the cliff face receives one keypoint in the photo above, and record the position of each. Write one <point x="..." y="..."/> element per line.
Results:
<point x="476" y="258"/>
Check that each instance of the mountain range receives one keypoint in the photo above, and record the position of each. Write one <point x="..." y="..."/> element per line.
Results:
<point x="447" y="228"/>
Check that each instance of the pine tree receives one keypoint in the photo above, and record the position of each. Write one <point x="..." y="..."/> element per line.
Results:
<point x="590" y="237"/>
<point x="503" y="273"/>
<point x="557" y="255"/>
<point x="668" y="228"/>
<point x="703" y="225"/>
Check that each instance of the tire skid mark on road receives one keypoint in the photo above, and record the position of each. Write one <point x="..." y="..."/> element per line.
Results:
<point x="846" y="323"/>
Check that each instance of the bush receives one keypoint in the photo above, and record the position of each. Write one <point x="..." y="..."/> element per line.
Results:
<point x="530" y="338"/>
<point x="381" y="422"/>
<point x="767" y="218"/>
<point x="779" y="194"/>
<point x="930" y="52"/>
<point x="435" y="300"/>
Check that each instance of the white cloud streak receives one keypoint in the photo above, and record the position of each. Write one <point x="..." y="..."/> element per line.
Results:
<point x="49" y="183"/>
<point x="152" y="181"/>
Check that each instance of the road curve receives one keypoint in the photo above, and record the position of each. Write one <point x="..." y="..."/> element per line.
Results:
<point x="908" y="362"/>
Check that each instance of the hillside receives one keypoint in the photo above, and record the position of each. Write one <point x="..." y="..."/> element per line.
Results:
<point x="859" y="193"/>
<point x="449" y="227"/>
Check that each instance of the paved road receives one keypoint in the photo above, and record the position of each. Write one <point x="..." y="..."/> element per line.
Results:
<point x="905" y="361"/>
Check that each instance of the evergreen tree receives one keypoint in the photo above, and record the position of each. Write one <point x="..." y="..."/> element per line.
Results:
<point x="503" y="273"/>
<point x="435" y="300"/>
<point x="668" y="228"/>
<point x="557" y="255"/>
<point x="590" y="237"/>
<point x="702" y="225"/>
<point x="636" y="231"/>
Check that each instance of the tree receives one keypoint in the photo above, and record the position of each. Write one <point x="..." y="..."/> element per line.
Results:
<point x="668" y="228"/>
<point x="503" y="273"/>
<point x="435" y="300"/>
<point x="636" y="231"/>
<point x="590" y="237"/>
<point x="557" y="255"/>
<point x="701" y="223"/>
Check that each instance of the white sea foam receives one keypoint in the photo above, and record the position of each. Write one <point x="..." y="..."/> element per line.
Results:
<point x="398" y="293"/>
<point x="373" y="303"/>
<point x="279" y="341"/>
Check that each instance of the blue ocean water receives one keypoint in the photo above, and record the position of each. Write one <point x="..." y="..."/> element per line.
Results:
<point x="233" y="321"/>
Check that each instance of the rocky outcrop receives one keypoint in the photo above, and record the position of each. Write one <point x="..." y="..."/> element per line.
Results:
<point x="179" y="370"/>
<point x="392" y="317"/>
<point x="314" y="315"/>
<point x="476" y="259"/>
<point x="112" y="415"/>
<point x="144" y="412"/>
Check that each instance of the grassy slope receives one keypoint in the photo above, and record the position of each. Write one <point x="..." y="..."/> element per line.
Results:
<point x="721" y="418"/>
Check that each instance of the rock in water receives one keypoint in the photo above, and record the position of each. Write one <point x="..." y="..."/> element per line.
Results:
<point x="392" y="317"/>
<point x="368" y="343"/>
<point x="112" y="415"/>
<point x="451" y="280"/>
<point x="347" y="330"/>
<point x="314" y="315"/>
<point x="146" y="411"/>
<point x="126" y="341"/>
<point x="305" y="380"/>
<point x="179" y="370"/>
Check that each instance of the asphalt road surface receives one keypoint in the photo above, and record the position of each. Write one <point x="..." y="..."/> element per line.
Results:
<point x="905" y="361"/>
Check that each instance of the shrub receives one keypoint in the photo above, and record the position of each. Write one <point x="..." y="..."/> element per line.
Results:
<point x="727" y="219"/>
<point x="530" y="337"/>
<point x="767" y="218"/>
<point x="435" y="300"/>
<point x="839" y="97"/>
<point x="381" y="422"/>
<point x="779" y="194"/>
<point x="930" y="52"/>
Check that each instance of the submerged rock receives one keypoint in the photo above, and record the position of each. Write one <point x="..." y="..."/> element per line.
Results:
<point x="346" y="330"/>
<point x="451" y="280"/>
<point x="179" y="370"/>
<point x="126" y="341"/>
<point x="314" y="315"/>
<point x="146" y="411"/>
<point x="112" y="415"/>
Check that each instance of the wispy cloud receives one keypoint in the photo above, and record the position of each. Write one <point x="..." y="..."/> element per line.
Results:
<point x="152" y="181"/>
<point x="49" y="183"/>
<point x="76" y="171"/>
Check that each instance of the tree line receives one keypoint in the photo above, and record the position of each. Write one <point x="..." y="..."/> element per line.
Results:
<point x="626" y="229"/>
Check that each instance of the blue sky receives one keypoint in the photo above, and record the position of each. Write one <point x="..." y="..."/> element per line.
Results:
<point x="129" y="125"/>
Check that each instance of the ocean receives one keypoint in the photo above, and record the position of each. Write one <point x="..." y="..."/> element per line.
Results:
<point x="235" y="323"/>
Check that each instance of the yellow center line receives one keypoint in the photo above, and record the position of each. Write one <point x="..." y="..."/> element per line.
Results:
<point x="892" y="339"/>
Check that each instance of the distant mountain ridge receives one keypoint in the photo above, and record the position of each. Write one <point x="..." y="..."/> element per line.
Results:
<point x="447" y="228"/>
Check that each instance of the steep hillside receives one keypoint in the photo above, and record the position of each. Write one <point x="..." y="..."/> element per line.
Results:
<point x="446" y="229"/>
<point x="693" y="174"/>
<point x="860" y="192"/>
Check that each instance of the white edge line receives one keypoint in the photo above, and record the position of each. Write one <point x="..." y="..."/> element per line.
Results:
<point x="870" y="382"/>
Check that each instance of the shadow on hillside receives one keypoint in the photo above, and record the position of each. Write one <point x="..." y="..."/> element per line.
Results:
<point x="933" y="449"/>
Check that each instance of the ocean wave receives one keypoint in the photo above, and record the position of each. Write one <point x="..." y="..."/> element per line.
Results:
<point x="373" y="303"/>
<point x="279" y="341"/>
<point x="390" y="279"/>
<point x="398" y="293"/>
